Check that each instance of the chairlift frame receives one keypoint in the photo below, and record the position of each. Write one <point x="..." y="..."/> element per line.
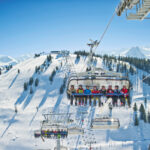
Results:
<point x="142" y="9"/>
<point x="105" y="123"/>
<point x="93" y="79"/>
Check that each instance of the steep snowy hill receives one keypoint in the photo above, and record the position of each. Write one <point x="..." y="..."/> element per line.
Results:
<point x="7" y="60"/>
<point x="17" y="129"/>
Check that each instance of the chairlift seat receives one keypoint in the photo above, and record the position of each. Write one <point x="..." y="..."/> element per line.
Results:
<point x="75" y="130"/>
<point x="105" y="123"/>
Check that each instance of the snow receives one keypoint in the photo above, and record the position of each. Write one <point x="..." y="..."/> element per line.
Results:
<point x="139" y="52"/>
<point x="7" y="60"/>
<point x="17" y="130"/>
<point x="134" y="52"/>
<point x="23" y="57"/>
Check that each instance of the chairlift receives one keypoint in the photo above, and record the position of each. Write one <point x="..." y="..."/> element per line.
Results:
<point x="75" y="130"/>
<point x="52" y="127"/>
<point x="105" y="123"/>
<point x="98" y="78"/>
<point x="52" y="131"/>
<point x="61" y="148"/>
<point x="142" y="9"/>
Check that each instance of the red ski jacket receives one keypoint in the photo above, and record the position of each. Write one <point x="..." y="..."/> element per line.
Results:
<point x="124" y="91"/>
<point x="95" y="91"/>
<point x="110" y="91"/>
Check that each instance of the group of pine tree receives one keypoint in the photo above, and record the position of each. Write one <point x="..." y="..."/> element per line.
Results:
<point x="117" y="64"/>
<point x="143" y="115"/>
<point x="63" y="86"/>
<point x="6" y="68"/>
<point x="38" y="69"/>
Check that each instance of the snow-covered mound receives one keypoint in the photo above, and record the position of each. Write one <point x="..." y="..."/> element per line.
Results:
<point x="134" y="52"/>
<point x="7" y="60"/>
<point x="24" y="57"/>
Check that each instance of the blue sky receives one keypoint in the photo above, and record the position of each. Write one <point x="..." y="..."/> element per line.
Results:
<point x="28" y="26"/>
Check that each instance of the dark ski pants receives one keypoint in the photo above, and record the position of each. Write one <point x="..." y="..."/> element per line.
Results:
<point x="115" y="98"/>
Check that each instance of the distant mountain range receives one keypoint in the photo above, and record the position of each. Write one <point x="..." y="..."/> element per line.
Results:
<point x="8" y="60"/>
<point x="133" y="52"/>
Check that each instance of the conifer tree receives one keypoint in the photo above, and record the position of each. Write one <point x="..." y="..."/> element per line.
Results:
<point x="36" y="82"/>
<point x="135" y="107"/>
<point x="145" y="102"/>
<point x="31" y="81"/>
<point x="18" y="71"/>
<point x="31" y="90"/>
<point x="143" y="113"/>
<point x="25" y="86"/>
<point x="148" y="117"/>
<point x="136" y="121"/>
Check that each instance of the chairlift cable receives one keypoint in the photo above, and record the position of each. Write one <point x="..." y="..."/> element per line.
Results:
<point x="109" y="23"/>
<point x="101" y="38"/>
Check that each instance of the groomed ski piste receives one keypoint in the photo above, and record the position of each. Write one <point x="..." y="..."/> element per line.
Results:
<point x="17" y="129"/>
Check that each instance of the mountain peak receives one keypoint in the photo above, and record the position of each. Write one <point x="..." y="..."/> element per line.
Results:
<point x="135" y="52"/>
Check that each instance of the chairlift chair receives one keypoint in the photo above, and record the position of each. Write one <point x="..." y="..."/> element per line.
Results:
<point x="75" y="130"/>
<point x="142" y="9"/>
<point x="61" y="148"/>
<point x="97" y="78"/>
<point x="105" y="123"/>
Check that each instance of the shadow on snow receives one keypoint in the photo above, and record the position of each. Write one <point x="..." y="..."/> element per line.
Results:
<point x="13" y="81"/>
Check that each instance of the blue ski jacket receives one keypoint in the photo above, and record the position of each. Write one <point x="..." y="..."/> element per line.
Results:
<point x="87" y="91"/>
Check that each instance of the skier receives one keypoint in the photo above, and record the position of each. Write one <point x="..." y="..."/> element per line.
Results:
<point x="52" y="133"/>
<point x="109" y="92"/>
<point x="88" y="96"/>
<point x="95" y="91"/>
<point x="103" y="97"/>
<point x="71" y="91"/>
<point x="116" y="95"/>
<point x="55" y="133"/>
<point x="125" y="96"/>
<point x="80" y="90"/>
<point x="48" y="134"/>
<point x="58" y="134"/>
<point x="16" y="110"/>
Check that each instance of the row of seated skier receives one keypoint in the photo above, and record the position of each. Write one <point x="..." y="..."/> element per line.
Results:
<point x="83" y="94"/>
<point x="54" y="133"/>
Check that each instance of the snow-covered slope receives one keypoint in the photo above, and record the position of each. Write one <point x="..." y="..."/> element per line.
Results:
<point x="24" y="57"/>
<point x="134" y="52"/>
<point x="7" y="60"/>
<point x="17" y="129"/>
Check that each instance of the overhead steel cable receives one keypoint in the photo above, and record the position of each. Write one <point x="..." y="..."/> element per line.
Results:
<point x="109" y="23"/>
<point x="101" y="38"/>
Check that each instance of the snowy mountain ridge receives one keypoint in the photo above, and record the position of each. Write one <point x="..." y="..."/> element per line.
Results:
<point x="138" y="52"/>
<point x="7" y="60"/>
<point x="134" y="52"/>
